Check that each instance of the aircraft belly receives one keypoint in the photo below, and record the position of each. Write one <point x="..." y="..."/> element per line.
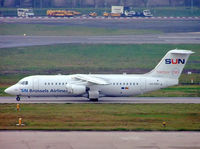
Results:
<point x="119" y="91"/>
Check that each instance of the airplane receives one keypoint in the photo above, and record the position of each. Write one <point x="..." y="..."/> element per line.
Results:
<point x="94" y="86"/>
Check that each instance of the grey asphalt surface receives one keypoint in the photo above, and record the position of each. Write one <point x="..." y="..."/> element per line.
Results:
<point x="176" y="31"/>
<point x="168" y="38"/>
<point x="130" y="100"/>
<point x="98" y="140"/>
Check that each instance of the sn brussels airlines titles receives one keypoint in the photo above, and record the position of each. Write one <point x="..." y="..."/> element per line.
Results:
<point x="94" y="86"/>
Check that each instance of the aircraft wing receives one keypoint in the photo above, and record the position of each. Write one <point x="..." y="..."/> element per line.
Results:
<point x="91" y="79"/>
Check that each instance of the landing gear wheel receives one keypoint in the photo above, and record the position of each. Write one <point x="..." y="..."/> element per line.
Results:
<point x="94" y="99"/>
<point x="18" y="98"/>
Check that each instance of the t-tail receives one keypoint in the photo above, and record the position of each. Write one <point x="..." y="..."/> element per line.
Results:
<point x="171" y="65"/>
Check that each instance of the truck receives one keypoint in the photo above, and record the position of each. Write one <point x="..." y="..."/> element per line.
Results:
<point x="116" y="11"/>
<point x="106" y="14"/>
<point x="25" y="12"/>
<point x="62" y="13"/>
<point x="93" y="14"/>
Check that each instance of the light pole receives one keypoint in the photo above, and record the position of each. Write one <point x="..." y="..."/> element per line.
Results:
<point x="192" y="6"/>
<point x="40" y="3"/>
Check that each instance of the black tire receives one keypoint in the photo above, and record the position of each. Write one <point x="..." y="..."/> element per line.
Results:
<point x="94" y="99"/>
<point x="18" y="98"/>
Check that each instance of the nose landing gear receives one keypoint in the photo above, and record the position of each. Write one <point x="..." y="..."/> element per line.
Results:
<point x="18" y="98"/>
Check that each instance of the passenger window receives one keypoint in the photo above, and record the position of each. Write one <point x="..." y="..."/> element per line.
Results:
<point x="45" y="83"/>
<point x="126" y="83"/>
<point x="133" y="83"/>
<point x="130" y="83"/>
<point x="120" y="83"/>
<point x="59" y="83"/>
<point x="51" y="83"/>
<point x="48" y="83"/>
<point x="62" y="83"/>
<point x="123" y="83"/>
<point x="117" y="83"/>
<point x="113" y="83"/>
<point x="56" y="83"/>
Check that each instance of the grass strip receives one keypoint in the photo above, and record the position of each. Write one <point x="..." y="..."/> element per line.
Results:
<point x="90" y="58"/>
<point x="63" y="30"/>
<point x="101" y="116"/>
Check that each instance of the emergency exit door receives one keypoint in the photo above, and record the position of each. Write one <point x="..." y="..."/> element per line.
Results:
<point x="35" y="84"/>
<point x="142" y="84"/>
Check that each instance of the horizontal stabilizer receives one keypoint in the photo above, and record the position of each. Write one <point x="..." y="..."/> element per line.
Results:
<point x="176" y="51"/>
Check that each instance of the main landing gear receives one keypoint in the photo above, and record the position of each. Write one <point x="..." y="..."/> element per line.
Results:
<point x="18" y="98"/>
<point x="94" y="99"/>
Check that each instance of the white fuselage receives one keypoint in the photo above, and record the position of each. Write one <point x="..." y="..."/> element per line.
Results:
<point x="119" y="85"/>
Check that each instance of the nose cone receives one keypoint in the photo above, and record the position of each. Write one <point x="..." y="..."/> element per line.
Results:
<point x="7" y="90"/>
<point x="12" y="90"/>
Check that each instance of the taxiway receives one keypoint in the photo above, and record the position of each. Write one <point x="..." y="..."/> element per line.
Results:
<point x="167" y="38"/>
<point x="98" y="140"/>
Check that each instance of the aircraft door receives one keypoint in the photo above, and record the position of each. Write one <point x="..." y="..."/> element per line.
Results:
<point x="35" y="84"/>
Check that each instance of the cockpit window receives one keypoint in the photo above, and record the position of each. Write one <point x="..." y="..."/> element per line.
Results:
<point x="24" y="83"/>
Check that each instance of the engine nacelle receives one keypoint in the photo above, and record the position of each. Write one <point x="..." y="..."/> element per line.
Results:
<point x="76" y="89"/>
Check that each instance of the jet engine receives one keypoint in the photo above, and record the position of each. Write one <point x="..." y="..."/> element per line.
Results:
<point x="76" y="89"/>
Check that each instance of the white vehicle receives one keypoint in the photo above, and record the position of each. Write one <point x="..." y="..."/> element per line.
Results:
<point x="117" y="9"/>
<point x="93" y="86"/>
<point x="25" y="12"/>
<point x="147" y="13"/>
<point x="129" y="13"/>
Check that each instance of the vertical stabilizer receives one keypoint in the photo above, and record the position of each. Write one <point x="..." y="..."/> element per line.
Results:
<point x="171" y="65"/>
